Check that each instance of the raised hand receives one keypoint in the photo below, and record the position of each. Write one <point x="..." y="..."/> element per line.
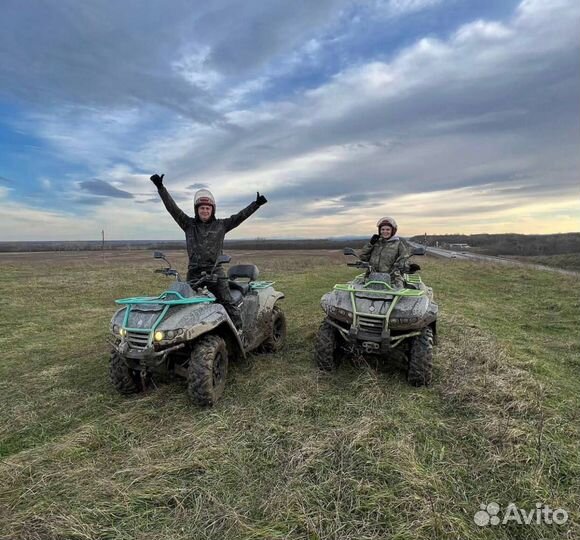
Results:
<point x="157" y="180"/>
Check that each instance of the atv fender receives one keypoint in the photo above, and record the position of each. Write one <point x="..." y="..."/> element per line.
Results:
<point x="271" y="300"/>
<point x="269" y="297"/>
<point x="118" y="317"/>
<point x="217" y="319"/>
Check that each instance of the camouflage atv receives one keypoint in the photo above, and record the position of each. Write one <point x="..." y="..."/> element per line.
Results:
<point x="185" y="332"/>
<point x="369" y="317"/>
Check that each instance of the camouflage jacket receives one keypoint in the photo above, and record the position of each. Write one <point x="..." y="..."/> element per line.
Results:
<point x="387" y="256"/>
<point x="204" y="241"/>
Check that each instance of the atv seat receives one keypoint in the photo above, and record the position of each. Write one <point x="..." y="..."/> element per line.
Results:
<point x="239" y="286"/>
<point x="183" y="288"/>
<point x="248" y="271"/>
<point x="236" y="295"/>
<point x="244" y="271"/>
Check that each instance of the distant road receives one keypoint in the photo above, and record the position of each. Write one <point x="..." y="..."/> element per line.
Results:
<point x="476" y="257"/>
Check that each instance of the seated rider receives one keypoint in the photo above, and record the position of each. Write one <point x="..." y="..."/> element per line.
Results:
<point x="204" y="236"/>
<point x="386" y="252"/>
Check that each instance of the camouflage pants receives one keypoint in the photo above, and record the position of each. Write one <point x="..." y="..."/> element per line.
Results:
<point x="221" y="290"/>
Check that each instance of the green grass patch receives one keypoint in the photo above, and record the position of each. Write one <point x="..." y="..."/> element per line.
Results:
<point x="567" y="261"/>
<point x="288" y="452"/>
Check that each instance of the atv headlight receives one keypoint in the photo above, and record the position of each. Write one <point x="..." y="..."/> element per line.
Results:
<point x="159" y="335"/>
<point x="123" y="332"/>
<point x="170" y="334"/>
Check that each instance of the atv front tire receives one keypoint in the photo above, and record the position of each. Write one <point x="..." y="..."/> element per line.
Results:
<point x="125" y="379"/>
<point x="207" y="371"/>
<point x="325" y="348"/>
<point x="276" y="332"/>
<point x="420" y="368"/>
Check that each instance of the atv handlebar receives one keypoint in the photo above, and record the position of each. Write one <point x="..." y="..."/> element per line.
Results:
<point x="359" y="264"/>
<point x="204" y="279"/>
<point x="167" y="272"/>
<point x="210" y="278"/>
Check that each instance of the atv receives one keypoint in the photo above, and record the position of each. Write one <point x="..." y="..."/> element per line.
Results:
<point x="184" y="332"/>
<point x="370" y="317"/>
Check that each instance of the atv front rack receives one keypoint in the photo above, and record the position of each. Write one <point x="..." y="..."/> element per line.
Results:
<point x="385" y="290"/>
<point x="163" y="299"/>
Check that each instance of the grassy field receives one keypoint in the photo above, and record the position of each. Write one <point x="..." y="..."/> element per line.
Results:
<point x="289" y="453"/>
<point x="568" y="261"/>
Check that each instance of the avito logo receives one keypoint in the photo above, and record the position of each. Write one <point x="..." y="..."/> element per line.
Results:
<point x="491" y="514"/>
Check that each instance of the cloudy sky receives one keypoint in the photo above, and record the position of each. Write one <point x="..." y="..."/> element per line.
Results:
<point x="450" y="115"/>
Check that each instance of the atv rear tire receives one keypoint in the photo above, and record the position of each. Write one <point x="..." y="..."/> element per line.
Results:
<point x="207" y="371"/>
<point x="420" y="368"/>
<point x="325" y="348"/>
<point x="276" y="332"/>
<point x="125" y="379"/>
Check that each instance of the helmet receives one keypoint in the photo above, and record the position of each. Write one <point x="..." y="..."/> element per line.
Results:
<point x="387" y="221"/>
<point x="203" y="196"/>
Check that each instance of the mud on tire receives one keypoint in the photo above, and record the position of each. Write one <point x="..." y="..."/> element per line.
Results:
<point x="420" y="367"/>
<point x="326" y="348"/>
<point x="207" y="371"/>
<point x="125" y="379"/>
<point x="277" y="331"/>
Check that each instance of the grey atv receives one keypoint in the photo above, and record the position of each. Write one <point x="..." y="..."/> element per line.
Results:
<point x="369" y="317"/>
<point x="185" y="332"/>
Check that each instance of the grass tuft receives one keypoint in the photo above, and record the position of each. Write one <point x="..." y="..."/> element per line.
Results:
<point x="289" y="452"/>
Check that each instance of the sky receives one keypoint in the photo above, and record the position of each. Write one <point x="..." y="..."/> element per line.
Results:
<point x="452" y="116"/>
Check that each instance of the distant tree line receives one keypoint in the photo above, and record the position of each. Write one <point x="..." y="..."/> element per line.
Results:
<point x="125" y="245"/>
<point x="490" y="244"/>
<point x="509" y="244"/>
<point x="88" y="245"/>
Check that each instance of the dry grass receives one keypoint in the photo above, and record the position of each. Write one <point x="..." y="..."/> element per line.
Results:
<point x="288" y="453"/>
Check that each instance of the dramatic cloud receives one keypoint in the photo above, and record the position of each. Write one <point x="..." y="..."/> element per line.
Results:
<point x="197" y="185"/>
<point x="104" y="189"/>
<point x="464" y="120"/>
<point x="124" y="54"/>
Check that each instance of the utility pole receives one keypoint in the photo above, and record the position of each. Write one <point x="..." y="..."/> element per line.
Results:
<point x="103" y="243"/>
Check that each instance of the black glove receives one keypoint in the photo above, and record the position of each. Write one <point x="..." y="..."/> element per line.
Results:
<point x="374" y="239"/>
<point x="260" y="199"/>
<point x="157" y="180"/>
